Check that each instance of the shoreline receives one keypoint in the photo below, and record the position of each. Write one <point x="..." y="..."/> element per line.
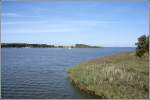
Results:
<point x="104" y="81"/>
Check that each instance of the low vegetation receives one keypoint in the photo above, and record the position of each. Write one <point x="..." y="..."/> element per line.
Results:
<point x="118" y="76"/>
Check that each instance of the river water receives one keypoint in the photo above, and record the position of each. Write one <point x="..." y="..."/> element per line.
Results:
<point x="42" y="72"/>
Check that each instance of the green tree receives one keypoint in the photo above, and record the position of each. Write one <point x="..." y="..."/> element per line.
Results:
<point x="142" y="45"/>
<point x="147" y="44"/>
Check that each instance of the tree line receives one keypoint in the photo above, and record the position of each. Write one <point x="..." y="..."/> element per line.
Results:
<point x="24" y="45"/>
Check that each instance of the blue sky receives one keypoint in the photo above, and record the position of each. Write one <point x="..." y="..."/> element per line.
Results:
<point x="67" y="23"/>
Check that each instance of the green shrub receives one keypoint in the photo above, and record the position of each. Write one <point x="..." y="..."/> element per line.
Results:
<point x="142" y="45"/>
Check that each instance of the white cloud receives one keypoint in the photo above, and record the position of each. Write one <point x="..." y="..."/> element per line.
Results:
<point x="23" y="22"/>
<point x="37" y="10"/>
<point x="52" y="26"/>
<point x="37" y="27"/>
<point x="10" y="15"/>
<point x="16" y="15"/>
<point x="37" y="30"/>
<point x="92" y="22"/>
<point x="89" y="22"/>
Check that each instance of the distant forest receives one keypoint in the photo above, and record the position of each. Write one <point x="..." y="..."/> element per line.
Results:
<point x="26" y="45"/>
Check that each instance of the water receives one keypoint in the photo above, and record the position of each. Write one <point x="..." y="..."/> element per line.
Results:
<point x="42" y="72"/>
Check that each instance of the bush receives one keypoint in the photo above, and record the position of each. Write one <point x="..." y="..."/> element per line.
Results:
<point x="142" y="45"/>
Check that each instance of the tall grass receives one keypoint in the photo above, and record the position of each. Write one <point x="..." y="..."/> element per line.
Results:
<point x="117" y="76"/>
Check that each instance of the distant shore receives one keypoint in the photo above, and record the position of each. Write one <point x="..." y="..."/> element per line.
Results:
<point x="119" y="76"/>
<point x="26" y="45"/>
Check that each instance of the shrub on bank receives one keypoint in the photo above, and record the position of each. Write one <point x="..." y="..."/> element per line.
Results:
<point x="142" y="45"/>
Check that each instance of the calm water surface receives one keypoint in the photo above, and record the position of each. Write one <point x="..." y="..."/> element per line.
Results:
<point x="42" y="72"/>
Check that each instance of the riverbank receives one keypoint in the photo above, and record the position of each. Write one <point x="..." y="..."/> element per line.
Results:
<point x="117" y="76"/>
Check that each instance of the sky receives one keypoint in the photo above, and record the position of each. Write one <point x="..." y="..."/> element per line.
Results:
<point x="101" y="23"/>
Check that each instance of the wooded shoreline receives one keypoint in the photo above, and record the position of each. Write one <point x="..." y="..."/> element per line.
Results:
<point x="26" y="45"/>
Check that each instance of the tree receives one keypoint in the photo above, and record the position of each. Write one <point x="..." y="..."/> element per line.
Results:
<point x="147" y="44"/>
<point x="142" y="45"/>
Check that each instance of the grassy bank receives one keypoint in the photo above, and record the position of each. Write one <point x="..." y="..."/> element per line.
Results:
<point x="115" y="76"/>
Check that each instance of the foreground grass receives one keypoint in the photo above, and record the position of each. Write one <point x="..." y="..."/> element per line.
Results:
<point x="117" y="76"/>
